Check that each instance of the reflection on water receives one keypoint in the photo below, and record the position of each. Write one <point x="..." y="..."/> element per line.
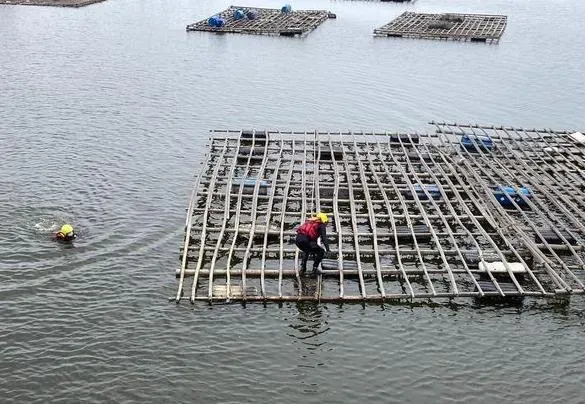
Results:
<point x="309" y="325"/>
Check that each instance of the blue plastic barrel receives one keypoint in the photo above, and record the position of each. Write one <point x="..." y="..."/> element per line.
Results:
<point x="239" y="14"/>
<point x="473" y="142"/>
<point x="505" y="194"/>
<point x="220" y="22"/>
<point x="286" y="8"/>
<point x="432" y="189"/>
<point x="212" y="21"/>
<point x="252" y="14"/>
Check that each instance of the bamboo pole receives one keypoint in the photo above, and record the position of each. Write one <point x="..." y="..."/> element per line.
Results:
<point x="282" y="221"/>
<point x="427" y="220"/>
<point x="365" y="251"/>
<point x="337" y="216"/>
<point x="472" y="236"/>
<point x="303" y="207"/>
<point x="402" y="273"/>
<point x="371" y="214"/>
<point x="390" y="178"/>
<point x="497" y="224"/>
<point x="188" y="230"/>
<point x="226" y="217"/>
<point x="316" y="198"/>
<point x="204" y="227"/>
<point x="347" y="216"/>
<point x="254" y="217"/>
<point x="542" y="212"/>
<point x="398" y="297"/>
<point x="520" y="233"/>
<point x="391" y="215"/>
<point x="506" y="223"/>
<point x="269" y="214"/>
<point x="352" y="207"/>
<point x="543" y="174"/>
<point x="236" y="224"/>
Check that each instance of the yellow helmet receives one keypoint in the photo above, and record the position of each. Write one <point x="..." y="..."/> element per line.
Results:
<point x="66" y="229"/>
<point x="322" y="217"/>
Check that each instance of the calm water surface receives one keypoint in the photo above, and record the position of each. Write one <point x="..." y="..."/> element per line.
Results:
<point x="104" y="119"/>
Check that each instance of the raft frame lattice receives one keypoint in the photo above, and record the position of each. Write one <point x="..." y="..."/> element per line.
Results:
<point x="269" y="21"/>
<point x="451" y="26"/>
<point x="51" y="3"/>
<point x="413" y="216"/>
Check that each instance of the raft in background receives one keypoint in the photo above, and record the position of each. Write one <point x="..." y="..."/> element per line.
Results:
<point x="412" y="216"/>
<point x="390" y="1"/>
<point x="264" y="21"/>
<point x="53" y="3"/>
<point x="458" y="27"/>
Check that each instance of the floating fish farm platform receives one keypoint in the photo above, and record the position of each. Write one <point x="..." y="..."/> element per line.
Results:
<point x="458" y="27"/>
<point x="465" y="211"/>
<point x="54" y="3"/>
<point x="263" y="21"/>
<point x="389" y="1"/>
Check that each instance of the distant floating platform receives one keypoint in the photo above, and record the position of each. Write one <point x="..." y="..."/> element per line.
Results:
<point x="457" y="27"/>
<point x="412" y="216"/>
<point x="389" y="1"/>
<point x="53" y="3"/>
<point x="264" y="21"/>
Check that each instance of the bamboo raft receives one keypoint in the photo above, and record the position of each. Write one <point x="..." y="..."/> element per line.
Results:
<point x="268" y="21"/>
<point x="458" y="27"/>
<point x="54" y="3"/>
<point x="391" y="1"/>
<point x="412" y="216"/>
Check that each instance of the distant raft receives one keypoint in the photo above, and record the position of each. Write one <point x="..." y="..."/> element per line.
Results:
<point x="263" y="21"/>
<point x="457" y="27"/>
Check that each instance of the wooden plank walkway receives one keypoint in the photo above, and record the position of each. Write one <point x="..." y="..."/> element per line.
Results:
<point x="459" y="27"/>
<point x="267" y="21"/>
<point x="412" y="216"/>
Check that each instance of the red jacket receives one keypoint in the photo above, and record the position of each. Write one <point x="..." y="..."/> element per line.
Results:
<point x="313" y="229"/>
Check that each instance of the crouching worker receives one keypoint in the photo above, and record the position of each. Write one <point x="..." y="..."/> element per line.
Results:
<point x="307" y="240"/>
<point x="65" y="235"/>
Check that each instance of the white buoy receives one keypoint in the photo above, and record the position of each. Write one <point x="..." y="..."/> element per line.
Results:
<point x="578" y="137"/>
<point x="500" y="267"/>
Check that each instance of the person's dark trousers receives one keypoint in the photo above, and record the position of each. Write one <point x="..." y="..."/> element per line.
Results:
<point x="309" y="247"/>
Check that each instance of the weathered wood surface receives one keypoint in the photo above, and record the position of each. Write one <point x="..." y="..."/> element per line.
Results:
<point x="267" y="22"/>
<point x="460" y="27"/>
<point x="412" y="216"/>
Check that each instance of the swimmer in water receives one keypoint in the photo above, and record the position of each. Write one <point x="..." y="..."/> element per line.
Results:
<point x="66" y="234"/>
